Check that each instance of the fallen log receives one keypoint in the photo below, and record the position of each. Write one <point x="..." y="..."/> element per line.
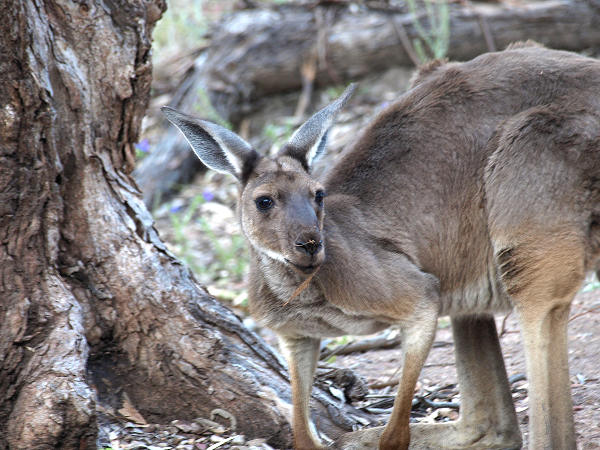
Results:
<point x="257" y="53"/>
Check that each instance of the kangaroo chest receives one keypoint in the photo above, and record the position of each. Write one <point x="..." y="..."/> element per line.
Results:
<point x="307" y="314"/>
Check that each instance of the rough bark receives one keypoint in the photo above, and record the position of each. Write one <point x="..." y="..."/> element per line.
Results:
<point x="92" y="303"/>
<point x="256" y="54"/>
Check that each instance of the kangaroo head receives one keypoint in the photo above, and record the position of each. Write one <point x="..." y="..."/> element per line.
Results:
<point x="281" y="205"/>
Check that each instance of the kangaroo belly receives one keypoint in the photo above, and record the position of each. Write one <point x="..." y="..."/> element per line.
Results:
<point x="482" y="295"/>
<point x="328" y="322"/>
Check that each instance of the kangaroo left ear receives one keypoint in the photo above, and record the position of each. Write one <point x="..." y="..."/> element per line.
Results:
<point x="309" y="141"/>
<point x="217" y="147"/>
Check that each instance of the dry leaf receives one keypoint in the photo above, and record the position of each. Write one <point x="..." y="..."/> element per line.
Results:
<point x="130" y="413"/>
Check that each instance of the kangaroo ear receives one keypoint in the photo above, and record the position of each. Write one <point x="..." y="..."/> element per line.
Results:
<point x="309" y="141"/>
<point x="217" y="147"/>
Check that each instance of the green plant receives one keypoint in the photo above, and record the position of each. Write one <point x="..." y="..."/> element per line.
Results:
<point x="142" y="149"/>
<point x="182" y="27"/>
<point x="230" y="257"/>
<point x="179" y="223"/>
<point x="334" y="92"/>
<point x="431" y="43"/>
<point x="337" y="342"/>
<point x="279" y="133"/>
<point x="443" y="322"/>
<point x="591" y="285"/>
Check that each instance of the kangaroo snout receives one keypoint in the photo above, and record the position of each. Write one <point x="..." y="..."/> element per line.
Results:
<point x="310" y="243"/>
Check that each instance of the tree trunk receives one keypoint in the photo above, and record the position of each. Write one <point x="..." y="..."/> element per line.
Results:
<point x="255" y="54"/>
<point x="92" y="303"/>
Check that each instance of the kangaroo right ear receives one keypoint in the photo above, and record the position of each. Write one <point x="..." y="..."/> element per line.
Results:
<point x="309" y="141"/>
<point x="217" y="147"/>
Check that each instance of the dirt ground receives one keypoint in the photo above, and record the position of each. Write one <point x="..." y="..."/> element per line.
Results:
<point x="584" y="358"/>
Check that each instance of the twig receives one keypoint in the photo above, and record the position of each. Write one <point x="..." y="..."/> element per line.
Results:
<point x="439" y="365"/>
<point x="302" y="286"/>
<point x="379" y="410"/>
<point x="244" y="130"/>
<point x="375" y="343"/>
<point x="405" y="41"/>
<point x="440" y="393"/>
<point x="308" y="72"/>
<point x="483" y="26"/>
<point x="386" y="402"/>
<point x="223" y="442"/>
<point x="323" y="20"/>
<point x="380" y="395"/>
<point x="382" y="384"/>
<point x="503" y="330"/>
<point x="393" y="380"/>
<point x="380" y="342"/>
<point x="516" y="377"/>
<point x="437" y="405"/>
<point x="583" y="313"/>
<point x="487" y="34"/>
<point x="381" y="405"/>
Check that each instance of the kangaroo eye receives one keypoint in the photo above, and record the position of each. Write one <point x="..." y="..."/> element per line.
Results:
<point x="319" y="196"/>
<point x="264" y="203"/>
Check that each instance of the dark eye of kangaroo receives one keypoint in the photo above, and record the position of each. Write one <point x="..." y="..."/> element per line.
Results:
<point x="319" y="196"/>
<point x="264" y="203"/>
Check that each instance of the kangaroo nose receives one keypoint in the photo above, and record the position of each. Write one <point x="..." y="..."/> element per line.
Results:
<point x="310" y="246"/>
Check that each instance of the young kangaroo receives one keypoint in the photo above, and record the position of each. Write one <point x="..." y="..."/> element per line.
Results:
<point x="476" y="192"/>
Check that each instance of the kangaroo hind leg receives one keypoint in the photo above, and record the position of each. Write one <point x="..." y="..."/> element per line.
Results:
<point x="541" y="201"/>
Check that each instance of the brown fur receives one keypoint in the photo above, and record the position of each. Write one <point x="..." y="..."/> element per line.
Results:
<point x="476" y="192"/>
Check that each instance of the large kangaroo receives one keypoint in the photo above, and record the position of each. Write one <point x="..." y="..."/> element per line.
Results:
<point x="476" y="192"/>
